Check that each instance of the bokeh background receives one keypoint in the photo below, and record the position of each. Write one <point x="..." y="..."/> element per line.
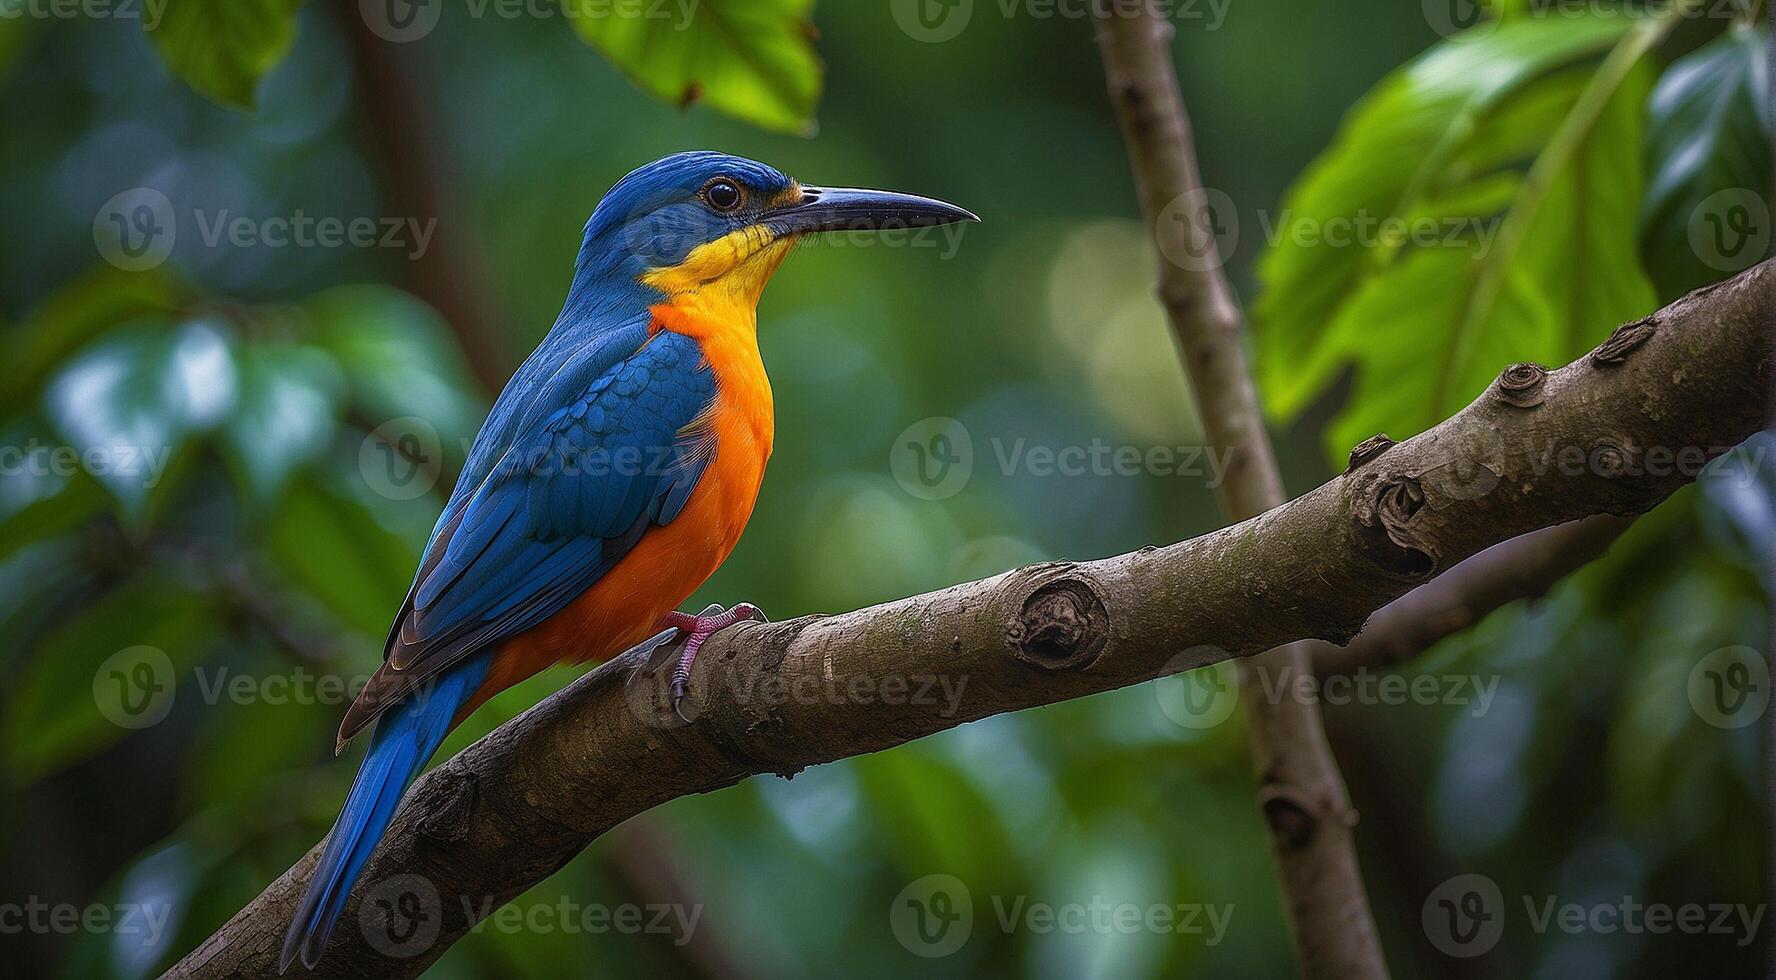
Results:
<point x="311" y="403"/>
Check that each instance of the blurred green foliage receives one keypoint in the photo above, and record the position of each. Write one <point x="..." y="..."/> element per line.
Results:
<point x="301" y="412"/>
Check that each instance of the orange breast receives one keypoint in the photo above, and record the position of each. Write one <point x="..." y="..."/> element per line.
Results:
<point x="669" y="562"/>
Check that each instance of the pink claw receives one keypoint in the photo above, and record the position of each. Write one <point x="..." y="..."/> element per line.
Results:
<point x="696" y="629"/>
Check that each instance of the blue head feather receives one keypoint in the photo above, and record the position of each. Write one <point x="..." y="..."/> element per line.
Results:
<point x="656" y="215"/>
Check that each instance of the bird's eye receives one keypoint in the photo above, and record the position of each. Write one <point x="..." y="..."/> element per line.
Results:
<point x="722" y="194"/>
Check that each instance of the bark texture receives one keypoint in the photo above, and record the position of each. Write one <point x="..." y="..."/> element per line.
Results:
<point x="1605" y="434"/>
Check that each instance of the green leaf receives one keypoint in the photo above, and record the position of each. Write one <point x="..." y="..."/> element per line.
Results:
<point x="238" y="746"/>
<point x="37" y="499"/>
<point x="1472" y="263"/>
<point x="16" y="31"/>
<point x="1708" y="152"/>
<point x="343" y="554"/>
<point x="113" y="668"/>
<point x="284" y="417"/>
<point x="128" y="403"/>
<point x="399" y="359"/>
<point x="71" y="317"/>
<point x="751" y="59"/>
<point x="933" y="815"/>
<point x="222" y="47"/>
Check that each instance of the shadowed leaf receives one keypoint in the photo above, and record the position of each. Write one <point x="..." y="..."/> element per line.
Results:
<point x="222" y="47"/>
<point x="1708" y="154"/>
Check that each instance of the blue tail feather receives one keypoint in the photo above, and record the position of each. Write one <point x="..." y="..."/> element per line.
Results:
<point x="405" y="738"/>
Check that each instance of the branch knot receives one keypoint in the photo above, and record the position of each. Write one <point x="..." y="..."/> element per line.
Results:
<point x="1610" y="458"/>
<point x="1623" y="340"/>
<point x="452" y="808"/>
<point x="1522" y="385"/>
<point x="1368" y="449"/>
<point x="1385" y="527"/>
<point x="1291" y="821"/>
<point x="1064" y="625"/>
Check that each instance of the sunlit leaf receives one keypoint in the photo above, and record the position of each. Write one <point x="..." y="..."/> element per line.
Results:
<point x="284" y="417"/>
<point x="1468" y="265"/>
<point x="127" y="404"/>
<point x="222" y="47"/>
<point x="752" y="59"/>
<point x="1706" y="212"/>
<point x="933" y="813"/>
<point x="72" y="316"/>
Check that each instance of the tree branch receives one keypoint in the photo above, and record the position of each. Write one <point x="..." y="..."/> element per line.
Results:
<point x="1655" y="399"/>
<point x="1524" y="567"/>
<point x="1301" y="793"/>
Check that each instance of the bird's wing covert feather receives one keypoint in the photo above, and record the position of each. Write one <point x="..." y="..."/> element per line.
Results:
<point x="578" y="486"/>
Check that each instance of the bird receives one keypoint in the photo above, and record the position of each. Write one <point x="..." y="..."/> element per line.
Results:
<point x="613" y="475"/>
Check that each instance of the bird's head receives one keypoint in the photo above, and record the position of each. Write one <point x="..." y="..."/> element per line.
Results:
<point x="712" y="222"/>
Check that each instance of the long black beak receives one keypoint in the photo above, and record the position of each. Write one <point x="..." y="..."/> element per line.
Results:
<point x="856" y="209"/>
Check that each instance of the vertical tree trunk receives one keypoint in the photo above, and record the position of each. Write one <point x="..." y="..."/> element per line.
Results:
<point x="1301" y="793"/>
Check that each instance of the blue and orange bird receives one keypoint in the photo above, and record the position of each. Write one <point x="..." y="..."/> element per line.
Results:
<point x="612" y="477"/>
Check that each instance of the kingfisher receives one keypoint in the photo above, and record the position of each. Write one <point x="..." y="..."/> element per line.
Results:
<point x="612" y="477"/>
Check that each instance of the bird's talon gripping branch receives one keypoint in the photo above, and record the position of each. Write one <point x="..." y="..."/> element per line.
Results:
<point x="695" y="630"/>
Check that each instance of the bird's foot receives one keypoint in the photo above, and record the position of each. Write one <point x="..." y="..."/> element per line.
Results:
<point x="695" y="630"/>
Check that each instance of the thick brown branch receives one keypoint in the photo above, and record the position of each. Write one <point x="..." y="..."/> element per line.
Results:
<point x="1615" y="433"/>
<point x="1301" y="792"/>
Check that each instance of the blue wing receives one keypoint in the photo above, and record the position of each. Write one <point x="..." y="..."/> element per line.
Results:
<point x="613" y="444"/>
